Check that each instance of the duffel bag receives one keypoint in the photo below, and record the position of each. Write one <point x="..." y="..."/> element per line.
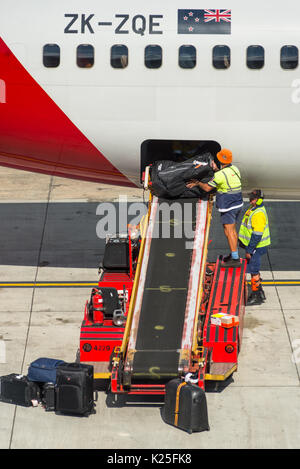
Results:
<point x="169" y="179"/>
<point x="43" y="370"/>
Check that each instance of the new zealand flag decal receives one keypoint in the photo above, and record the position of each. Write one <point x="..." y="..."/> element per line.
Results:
<point x="204" y="21"/>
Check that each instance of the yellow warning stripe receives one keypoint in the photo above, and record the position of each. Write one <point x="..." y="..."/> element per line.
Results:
<point x="48" y="284"/>
<point x="283" y="282"/>
<point x="93" y="284"/>
<point x="202" y="273"/>
<point x="143" y="228"/>
<point x="213" y="377"/>
<point x="102" y="375"/>
<point x="279" y="282"/>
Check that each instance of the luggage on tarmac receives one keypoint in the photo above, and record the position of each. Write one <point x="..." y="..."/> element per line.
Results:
<point x="48" y="396"/>
<point x="43" y="370"/>
<point x="71" y="390"/>
<point x="17" y="389"/>
<point x="185" y="406"/>
<point x="169" y="179"/>
<point x="75" y="389"/>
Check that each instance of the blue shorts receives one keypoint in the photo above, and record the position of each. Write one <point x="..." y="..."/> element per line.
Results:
<point x="230" y="217"/>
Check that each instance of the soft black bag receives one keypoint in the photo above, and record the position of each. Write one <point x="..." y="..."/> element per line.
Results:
<point x="185" y="406"/>
<point x="169" y="179"/>
<point x="75" y="389"/>
<point x="17" y="389"/>
<point x="158" y="186"/>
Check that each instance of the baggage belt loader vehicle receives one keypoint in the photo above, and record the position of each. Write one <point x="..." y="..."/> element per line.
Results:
<point x="161" y="313"/>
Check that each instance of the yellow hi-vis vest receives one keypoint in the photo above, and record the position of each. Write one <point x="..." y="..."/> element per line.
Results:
<point x="247" y="228"/>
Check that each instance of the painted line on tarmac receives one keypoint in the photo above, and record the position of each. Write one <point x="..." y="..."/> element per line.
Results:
<point x="278" y="283"/>
<point x="47" y="284"/>
<point x="266" y="283"/>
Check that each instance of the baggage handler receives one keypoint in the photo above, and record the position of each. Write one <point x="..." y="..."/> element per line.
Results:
<point x="229" y="200"/>
<point x="254" y="237"/>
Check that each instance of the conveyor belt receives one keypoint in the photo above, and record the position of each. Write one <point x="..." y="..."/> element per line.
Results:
<point x="164" y="314"/>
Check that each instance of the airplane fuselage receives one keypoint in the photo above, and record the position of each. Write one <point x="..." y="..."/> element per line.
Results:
<point x="91" y="121"/>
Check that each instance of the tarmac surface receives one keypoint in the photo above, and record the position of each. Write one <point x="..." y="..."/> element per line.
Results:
<point x="49" y="257"/>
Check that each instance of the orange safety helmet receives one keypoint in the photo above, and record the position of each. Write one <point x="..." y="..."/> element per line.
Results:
<point x="224" y="156"/>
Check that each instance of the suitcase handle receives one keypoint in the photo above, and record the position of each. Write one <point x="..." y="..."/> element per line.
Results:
<point x="177" y="403"/>
<point x="72" y="365"/>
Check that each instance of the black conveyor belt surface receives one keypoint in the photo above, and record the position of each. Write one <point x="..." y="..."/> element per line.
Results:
<point x="164" y="299"/>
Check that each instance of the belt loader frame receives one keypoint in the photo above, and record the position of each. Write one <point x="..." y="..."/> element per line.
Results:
<point x="213" y="355"/>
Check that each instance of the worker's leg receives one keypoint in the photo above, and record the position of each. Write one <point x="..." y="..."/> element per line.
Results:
<point x="231" y="235"/>
<point x="257" y="294"/>
<point x="229" y="220"/>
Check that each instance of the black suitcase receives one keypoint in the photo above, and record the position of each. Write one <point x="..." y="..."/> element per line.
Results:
<point x="48" y="396"/>
<point x="116" y="254"/>
<point x="185" y="406"/>
<point x="74" y="390"/>
<point x="17" y="389"/>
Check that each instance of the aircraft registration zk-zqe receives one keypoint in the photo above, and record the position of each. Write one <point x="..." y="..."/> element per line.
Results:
<point x="97" y="91"/>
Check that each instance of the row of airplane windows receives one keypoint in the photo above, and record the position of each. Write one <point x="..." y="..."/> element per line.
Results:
<point x="187" y="56"/>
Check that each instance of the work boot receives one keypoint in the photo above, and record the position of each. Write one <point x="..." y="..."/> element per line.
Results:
<point x="226" y="258"/>
<point x="262" y="293"/>
<point x="254" y="298"/>
<point x="231" y="262"/>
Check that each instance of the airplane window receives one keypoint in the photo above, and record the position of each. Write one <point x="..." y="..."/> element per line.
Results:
<point x="51" y="55"/>
<point x="119" y="56"/>
<point x="255" y="57"/>
<point x="289" y="57"/>
<point x="221" y="57"/>
<point x="153" y="56"/>
<point x="187" y="56"/>
<point x="85" y="56"/>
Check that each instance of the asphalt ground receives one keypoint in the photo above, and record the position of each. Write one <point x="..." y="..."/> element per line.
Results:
<point x="49" y="257"/>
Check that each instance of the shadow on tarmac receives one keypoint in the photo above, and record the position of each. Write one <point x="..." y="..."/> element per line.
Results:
<point x="65" y="234"/>
<point x="123" y="400"/>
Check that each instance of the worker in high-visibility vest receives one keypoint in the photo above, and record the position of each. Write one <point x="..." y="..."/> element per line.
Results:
<point x="229" y="200"/>
<point x="254" y="236"/>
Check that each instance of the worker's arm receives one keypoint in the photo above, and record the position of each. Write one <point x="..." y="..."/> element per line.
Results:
<point x="203" y="185"/>
<point x="255" y="239"/>
<point x="207" y="186"/>
<point x="258" y="226"/>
